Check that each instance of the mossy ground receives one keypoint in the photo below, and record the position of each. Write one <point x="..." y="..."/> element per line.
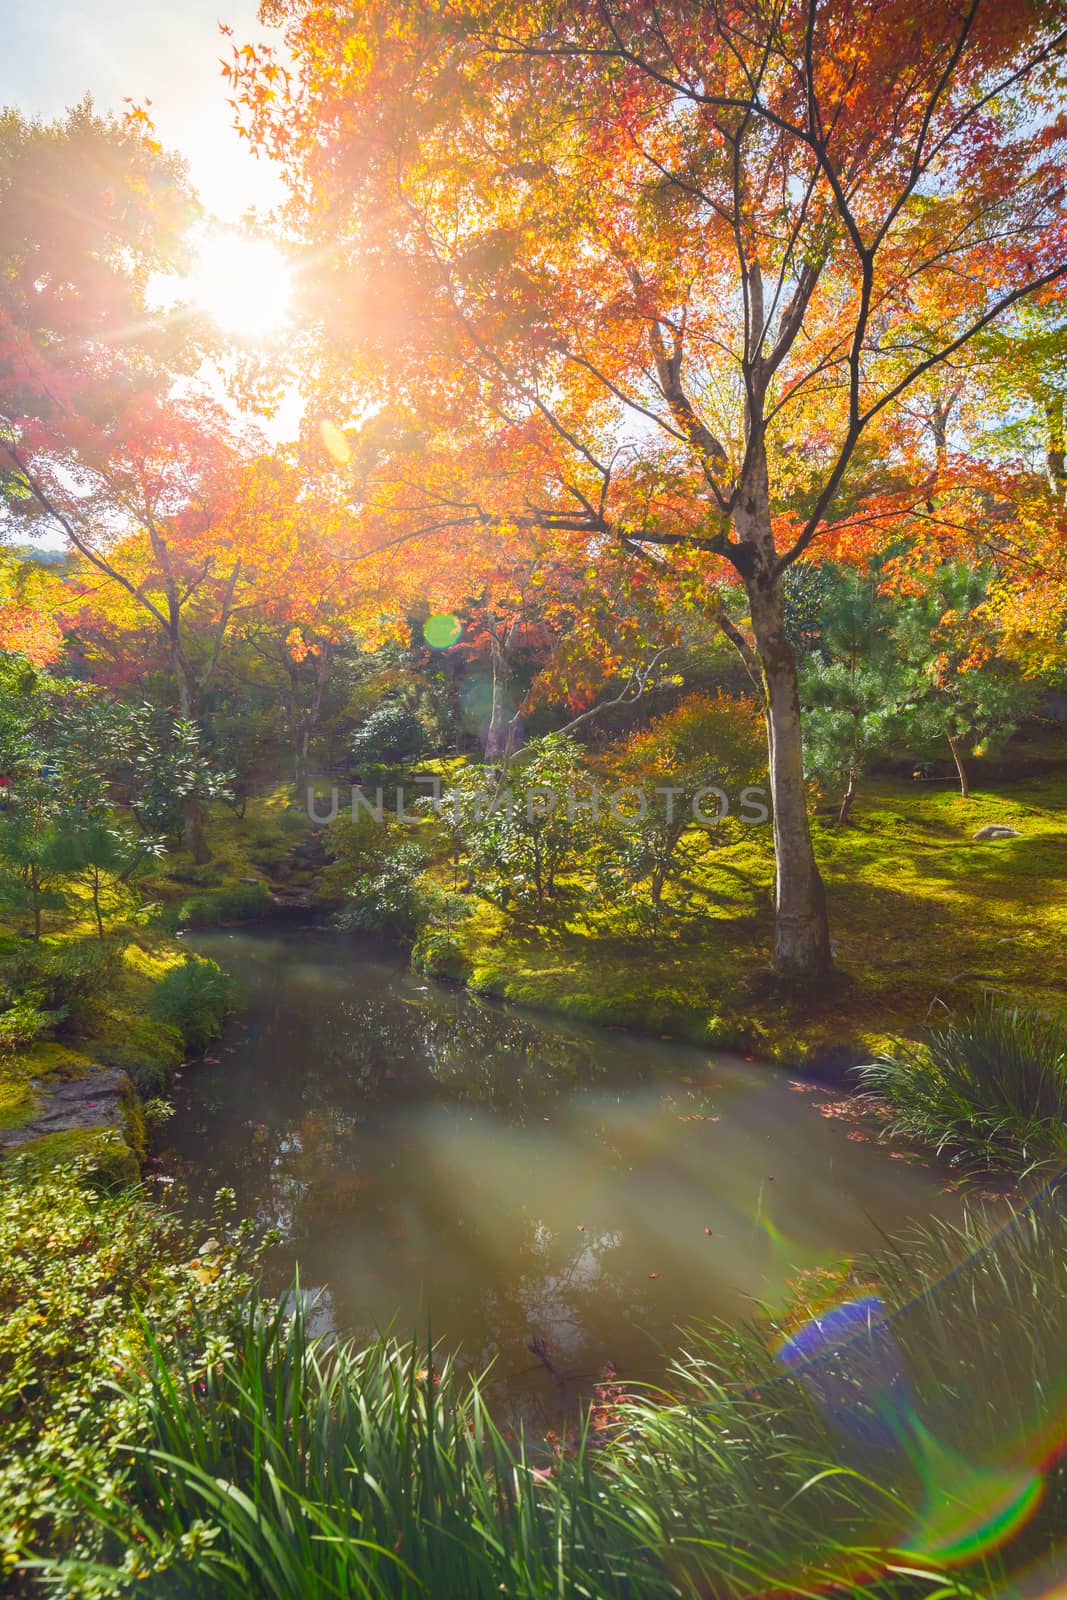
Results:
<point x="921" y="914"/>
<point x="119" y="1029"/>
<point x="252" y="860"/>
<point x="115" y="1161"/>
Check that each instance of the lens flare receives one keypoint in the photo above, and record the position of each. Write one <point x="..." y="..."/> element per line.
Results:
<point x="442" y="630"/>
<point x="849" y="1362"/>
<point x="335" y="442"/>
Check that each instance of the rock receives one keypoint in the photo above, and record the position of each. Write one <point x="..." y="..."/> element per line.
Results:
<point x="995" y="830"/>
<point x="96" y="1101"/>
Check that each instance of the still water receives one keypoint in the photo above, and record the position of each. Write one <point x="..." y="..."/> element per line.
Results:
<point x="511" y="1181"/>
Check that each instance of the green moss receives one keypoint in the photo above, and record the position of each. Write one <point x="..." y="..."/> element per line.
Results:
<point x="17" y="1103"/>
<point x="111" y="1159"/>
<point x="920" y="912"/>
<point x="38" y="1063"/>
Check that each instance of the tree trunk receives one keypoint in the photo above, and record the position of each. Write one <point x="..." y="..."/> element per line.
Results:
<point x="502" y="733"/>
<point x="193" y="829"/>
<point x="304" y="724"/>
<point x="192" y="810"/>
<point x="847" y="798"/>
<point x="494" y="733"/>
<point x="96" y="904"/>
<point x="1056" y="458"/>
<point x="961" y="770"/>
<point x="802" y="934"/>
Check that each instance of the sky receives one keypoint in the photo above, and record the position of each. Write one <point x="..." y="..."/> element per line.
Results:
<point x="55" y="51"/>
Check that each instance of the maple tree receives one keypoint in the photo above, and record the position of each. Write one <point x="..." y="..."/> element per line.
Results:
<point x="310" y="598"/>
<point x="664" y="275"/>
<point x="31" y="598"/>
<point x="94" y="445"/>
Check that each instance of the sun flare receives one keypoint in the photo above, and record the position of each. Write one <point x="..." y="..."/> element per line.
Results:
<point x="244" y="284"/>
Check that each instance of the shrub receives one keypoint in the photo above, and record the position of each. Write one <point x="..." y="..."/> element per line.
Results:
<point x="24" y="1022"/>
<point x="228" y="905"/>
<point x="79" y="1270"/>
<point x="69" y="980"/>
<point x="704" y="743"/>
<point x="390" y="900"/>
<point x="194" y="998"/>
<point x="523" y="838"/>
<point x="355" y="847"/>
<point x="107" y="1157"/>
<point x="991" y="1088"/>
<point x="392" y="734"/>
<point x="438" y="953"/>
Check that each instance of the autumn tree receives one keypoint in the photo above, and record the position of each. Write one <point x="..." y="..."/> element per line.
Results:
<point x="683" y="262"/>
<point x="94" y="444"/>
<point x="311" y="600"/>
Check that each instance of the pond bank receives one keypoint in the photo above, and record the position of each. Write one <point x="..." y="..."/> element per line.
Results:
<point x="925" y="917"/>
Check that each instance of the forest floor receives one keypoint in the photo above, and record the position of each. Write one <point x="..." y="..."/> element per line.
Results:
<point x="923" y="918"/>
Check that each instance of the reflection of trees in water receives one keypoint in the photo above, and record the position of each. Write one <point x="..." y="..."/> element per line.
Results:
<point x="331" y="1119"/>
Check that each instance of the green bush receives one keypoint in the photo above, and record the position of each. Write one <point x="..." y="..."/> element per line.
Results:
<point x="69" y="980"/>
<point x="108" y="1158"/>
<point x="438" y="953"/>
<point x="991" y="1088"/>
<point x="238" y="904"/>
<point x="392" y="734"/>
<point x="79" y="1270"/>
<point x="390" y="900"/>
<point x="23" y="1022"/>
<point x="194" y="998"/>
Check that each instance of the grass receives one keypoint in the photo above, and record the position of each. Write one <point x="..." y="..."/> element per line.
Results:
<point x="991" y="1088"/>
<point x="923" y="918"/>
<point x="914" y="1454"/>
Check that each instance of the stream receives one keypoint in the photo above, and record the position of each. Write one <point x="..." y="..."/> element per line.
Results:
<point x="542" y="1196"/>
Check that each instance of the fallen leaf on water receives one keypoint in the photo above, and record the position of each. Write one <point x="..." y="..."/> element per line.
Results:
<point x="707" y="1230"/>
<point x="653" y="1274"/>
<point x="581" y="1227"/>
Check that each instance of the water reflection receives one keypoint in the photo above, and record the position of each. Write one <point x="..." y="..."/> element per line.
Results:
<point x="544" y="1197"/>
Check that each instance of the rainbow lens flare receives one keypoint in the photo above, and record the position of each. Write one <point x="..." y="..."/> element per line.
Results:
<point x="851" y="1365"/>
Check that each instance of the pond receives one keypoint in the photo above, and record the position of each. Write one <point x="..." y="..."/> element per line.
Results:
<point x="546" y="1197"/>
